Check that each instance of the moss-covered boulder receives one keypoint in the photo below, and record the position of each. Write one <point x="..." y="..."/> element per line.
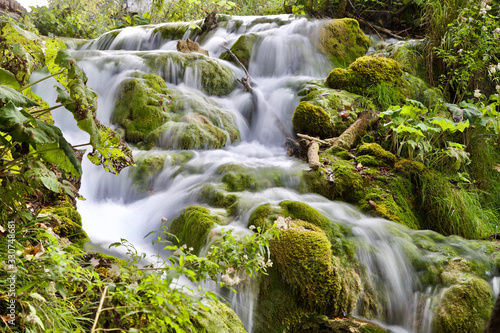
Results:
<point x="193" y="226"/>
<point x="343" y="41"/>
<point x="150" y="114"/>
<point x="242" y="49"/>
<point x="217" y="197"/>
<point x="212" y="76"/>
<point x="312" y="120"/>
<point x="466" y="304"/>
<point x="364" y="72"/>
<point x="306" y="280"/>
<point x="142" y="105"/>
<point x="379" y="156"/>
<point x="408" y="53"/>
<point x="376" y="77"/>
<point x="172" y="30"/>
<point x="219" y="318"/>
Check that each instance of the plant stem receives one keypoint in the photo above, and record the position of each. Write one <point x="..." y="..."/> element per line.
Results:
<point x="105" y="291"/>
<point x="42" y="79"/>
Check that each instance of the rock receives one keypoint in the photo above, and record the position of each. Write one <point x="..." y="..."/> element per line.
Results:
<point x="151" y="114"/>
<point x="343" y="41"/>
<point x="381" y="157"/>
<point x="466" y="304"/>
<point x="219" y="318"/>
<point x="312" y="120"/>
<point x="242" y="49"/>
<point x="409" y="54"/>
<point x="213" y="77"/>
<point x="147" y="167"/>
<point x="66" y="223"/>
<point x="192" y="227"/>
<point x="188" y="46"/>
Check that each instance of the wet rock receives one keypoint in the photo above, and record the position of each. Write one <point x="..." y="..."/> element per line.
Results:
<point x="219" y="318"/>
<point x="188" y="46"/>
<point x="242" y="49"/>
<point x="312" y="120"/>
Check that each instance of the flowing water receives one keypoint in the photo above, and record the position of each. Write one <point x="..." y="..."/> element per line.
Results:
<point x="284" y="56"/>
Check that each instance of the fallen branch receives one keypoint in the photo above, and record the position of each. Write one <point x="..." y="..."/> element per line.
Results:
<point x="381" y="29"/>
<point x="310" y="138"/>
<point x="103" y="296"/>
<point x="348" y="138"/>
<point x="313" y="156"/>
<point x="245" y="81"/>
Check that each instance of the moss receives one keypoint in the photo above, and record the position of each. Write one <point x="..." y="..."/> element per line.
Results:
<point x="236" y="181"/>
<point x="142" y="106"/>
<point x="343" y="41"/>
<point x="311" y="120"/>
<point x="383" y="157"/>
<point x="146" y="168"/>
<point x="415" y="88"/>
<point x="67" y="223"/>
<point x="409" y="167"/>
<point x="242" y="49"/>
<point x="172" y="31"/>
<point x="193" y="226"/>
<point x="303" y="256"/>
<point x="219" y="318"/>
<point x="342" y="106"/>
<point x="409" y="54"/>
<point x="370" y="76"/>
<point x="464" y="307"/>
<point x="216" y="197"/>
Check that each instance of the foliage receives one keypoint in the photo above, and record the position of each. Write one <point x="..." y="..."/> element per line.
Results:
<point x="82" y="18"/>
<point x="470" y="51"/>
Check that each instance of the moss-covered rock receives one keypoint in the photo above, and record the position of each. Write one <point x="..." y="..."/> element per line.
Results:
<point x="312" y="120"/>
<point x="324" y="324"/>
<point x="219" y="318"/>
<point x="150" y="114"/>
<point x="172" y="30"/>
<point x="340" y="181"/>
<point x="214" y="78"/>
<point x="142" y="105"/>
<point x="409" y="54"/>
<point x="465" y="306"/>
<point x="382" y="156"/>
<point x="217" y="197"/>
<point x="67" y="223"/>
<point x="342" y="106"/>
<point x="193" y="226"/>
<point x="242" y="49"/>
<point x="343" y="41"/>
<point x="147" y="167"/>
<point x="364" y="72"/>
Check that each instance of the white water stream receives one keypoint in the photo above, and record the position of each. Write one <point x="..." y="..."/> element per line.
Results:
<point x="284" y="55"/>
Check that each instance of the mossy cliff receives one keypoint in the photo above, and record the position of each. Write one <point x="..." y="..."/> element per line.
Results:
<point x="343" y="41"/>
<point x="150" y="114"/>
<point x="66" y="222"/>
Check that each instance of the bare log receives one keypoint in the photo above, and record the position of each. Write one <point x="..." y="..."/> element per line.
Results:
<point x="348" y="139"/>
<point x="313" y="156"/>
<point x="310" y="138"/>
<point x="245" y="81"/>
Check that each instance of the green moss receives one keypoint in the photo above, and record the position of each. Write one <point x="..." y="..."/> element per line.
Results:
<point x="172" y="31"/>
<point x="311" y="120"/>
<point x="464" y="307"/>
<point x="375" y="77"/>
<point x="409" y="167"/>
<point x="147" y="167"/>
<point x="303" y="256"/>
<point x="67" y="223"/>
<point x="216" y="197"/>
<point x="343" y="41"/>
<point x="142" y="106"/>
<point x="193" y="226"/>
<point x="219" y="318"/>
<point x="242" y="49"/>
<point x="383" y="157"/>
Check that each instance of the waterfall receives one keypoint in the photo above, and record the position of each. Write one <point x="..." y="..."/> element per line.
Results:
<point x="284" y="56"/>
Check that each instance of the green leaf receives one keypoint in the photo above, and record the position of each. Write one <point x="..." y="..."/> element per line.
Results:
<point x="61" y="289"/>
<point x="8" y="94"/>
<point x="37" y="297"/>
<point x="8" y="79"/>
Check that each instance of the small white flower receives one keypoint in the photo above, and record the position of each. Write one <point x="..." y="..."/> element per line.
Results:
<point x="497" y="88"/>
<point x="485" y="29"/>
<point x="252" y="227"/>
<point x="184" y="246"/>
<point x="488" y="108"/>
<point x="498" y="66"/>
<point x="477" y="93"/>
<point x="492" y="69"/>
<point x="496" y="31"/>
<point x="460" y="51"/>
<point x="191" y="249"/>
<point x="463" y="19"/>
<point x="471" y="19"/>
<point x="114" y="270"/>
<point x="134" y="285"/>
<point x="95" y="262"/>
<point x="245" y="257"/>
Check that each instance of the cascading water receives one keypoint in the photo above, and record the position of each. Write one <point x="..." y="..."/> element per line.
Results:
<point x="284" y="57"/>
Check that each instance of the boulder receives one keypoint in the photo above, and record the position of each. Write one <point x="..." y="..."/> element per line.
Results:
<point x="242" y="49"/>
<point x="188" y="46"/>
<point x="343" y="41"/>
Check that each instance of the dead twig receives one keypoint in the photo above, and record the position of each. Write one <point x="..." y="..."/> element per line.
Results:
<point x="245" y="81"/>
<point x="99" y="309"/>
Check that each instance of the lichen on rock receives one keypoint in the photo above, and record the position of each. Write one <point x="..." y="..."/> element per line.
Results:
<point x="343" y="41"/>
